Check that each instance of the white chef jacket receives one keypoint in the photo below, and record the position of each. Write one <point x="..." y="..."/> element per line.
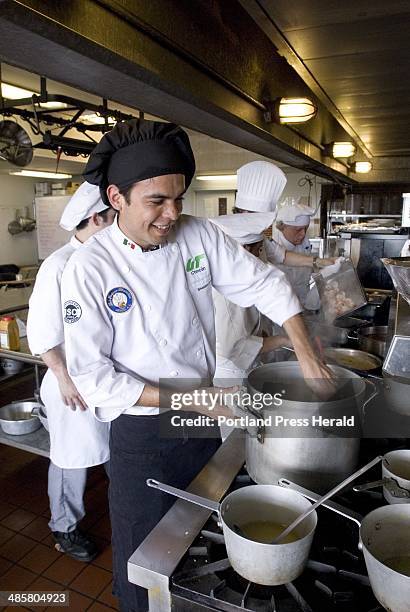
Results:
<point x="405" y="252"/>
<point x="238" y="338"/>
<point x="298" y="276"/>
<point x="77" y="439"/>
<point x="133" y="317"/>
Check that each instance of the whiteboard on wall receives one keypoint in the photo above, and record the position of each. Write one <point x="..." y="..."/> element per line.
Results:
<point x="50" y="236"/>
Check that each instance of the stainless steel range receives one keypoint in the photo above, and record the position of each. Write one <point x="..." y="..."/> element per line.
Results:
<point x="183" y="562"/>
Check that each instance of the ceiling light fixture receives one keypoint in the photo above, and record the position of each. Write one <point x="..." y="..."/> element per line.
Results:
<point x="361" y="167"/>
<point x="289" y="110"/>
<point x="342" y="149"/>
<point x="216" y="177"/>
<point x="41" y="174"/>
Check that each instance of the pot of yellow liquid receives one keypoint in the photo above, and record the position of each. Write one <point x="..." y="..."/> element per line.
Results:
<point x="251" y="518"/>
<point x="385" y="537"/>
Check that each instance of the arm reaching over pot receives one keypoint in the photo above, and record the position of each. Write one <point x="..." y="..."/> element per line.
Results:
<point x="317" y="375"/>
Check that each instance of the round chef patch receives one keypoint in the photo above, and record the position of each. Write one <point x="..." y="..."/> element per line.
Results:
<point x="72" y="311"/>
<point x="119" y="299"/>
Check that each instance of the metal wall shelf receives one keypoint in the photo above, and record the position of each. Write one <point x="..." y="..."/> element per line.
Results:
<point x="374" y="215"/>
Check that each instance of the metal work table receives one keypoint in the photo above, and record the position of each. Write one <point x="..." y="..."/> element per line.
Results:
<point x="37" y="442"/>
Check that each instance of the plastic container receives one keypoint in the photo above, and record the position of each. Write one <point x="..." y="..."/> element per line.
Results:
<point x="340" y="290"/>
<point x="9" y="333"/>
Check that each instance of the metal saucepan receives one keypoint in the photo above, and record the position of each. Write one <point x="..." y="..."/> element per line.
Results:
<point x="385" y="542"/>
<point x="336" y="334"/>
<point x="20" y="418"/>
<point x="256" y="561"/>
<point x="395" y="478"/>
<point x="397" y="393"/>
<point x="372" y="339"/>
<point x="357" y="361"/>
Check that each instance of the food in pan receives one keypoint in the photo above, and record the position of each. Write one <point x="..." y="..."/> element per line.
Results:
<point x="337" y="302"/>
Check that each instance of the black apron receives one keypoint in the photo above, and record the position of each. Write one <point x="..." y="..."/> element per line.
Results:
<point x="138" y="452"/>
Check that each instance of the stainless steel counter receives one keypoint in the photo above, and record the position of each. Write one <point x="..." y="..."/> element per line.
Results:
<point x="37" y="442"/>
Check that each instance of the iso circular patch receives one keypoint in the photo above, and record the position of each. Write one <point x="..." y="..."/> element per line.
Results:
<point x="72" y="311"/>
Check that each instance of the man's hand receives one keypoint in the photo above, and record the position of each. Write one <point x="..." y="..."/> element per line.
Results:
<point x="213" y="401"/>
<point x="69" y="393"/>
<point x="317" y="375"/>
<point x="323" y="262"/>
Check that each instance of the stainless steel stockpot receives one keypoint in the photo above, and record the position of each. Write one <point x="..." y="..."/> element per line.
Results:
<point x="318" y="462"/>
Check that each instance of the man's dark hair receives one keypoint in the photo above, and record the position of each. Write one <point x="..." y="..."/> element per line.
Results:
<point x="84" y="222"/>
<point x="126" y="193"/>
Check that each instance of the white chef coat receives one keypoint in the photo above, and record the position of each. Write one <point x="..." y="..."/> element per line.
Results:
<point x="77" y="439"/>
<point x="405" y="252"/>
<point x="298" y="276"/>
<point x="238" y="338"/>
<point x="133" y="317"/>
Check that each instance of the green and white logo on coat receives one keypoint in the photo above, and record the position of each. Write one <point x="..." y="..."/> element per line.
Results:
<point x="194" y="263"/>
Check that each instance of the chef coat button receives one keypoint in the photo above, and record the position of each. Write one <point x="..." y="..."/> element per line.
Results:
<point x="174" y="247"/>
<point x="126" y="269"/>
<point x="162" y="342"/>
<point x="147" y="307"/>
<point x="174" y="373"/>
<point x="195" y="321"/>
<point x="199" y="353"/>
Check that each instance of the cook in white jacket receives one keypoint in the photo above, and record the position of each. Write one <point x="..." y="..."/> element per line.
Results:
<point x="242" y="334"/>
<point x="292" y="223"/>
<point x="260" y="186"/>
<point x="77" y="439"/>
<point x="138" y="308"/>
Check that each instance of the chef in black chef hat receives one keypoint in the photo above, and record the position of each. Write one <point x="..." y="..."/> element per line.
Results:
<point x="137" y="323"/>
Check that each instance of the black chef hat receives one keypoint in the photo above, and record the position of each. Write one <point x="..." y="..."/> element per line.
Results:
<point x="139" y="149"/>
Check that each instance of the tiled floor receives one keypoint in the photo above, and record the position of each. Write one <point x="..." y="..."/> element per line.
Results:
<point x="28" y="559"/>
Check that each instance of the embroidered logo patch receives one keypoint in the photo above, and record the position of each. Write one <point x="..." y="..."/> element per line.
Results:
<point x="119" y="299"/>
<point x="72" y="311"/>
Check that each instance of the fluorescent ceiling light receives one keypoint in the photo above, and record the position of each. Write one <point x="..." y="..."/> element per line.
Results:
<point x="362" y="167"/>
<point x="41" y="174"/>
<point x="343" y="149"/>
<point x="216" y="177"/>
<point x="296" y="110"/>
<point x="12" y="92"/>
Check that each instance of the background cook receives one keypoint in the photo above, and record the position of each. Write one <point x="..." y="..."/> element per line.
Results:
<point x="77" y="439"/>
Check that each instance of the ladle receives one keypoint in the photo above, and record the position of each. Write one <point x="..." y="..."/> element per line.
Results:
<point x="325" y="497"/>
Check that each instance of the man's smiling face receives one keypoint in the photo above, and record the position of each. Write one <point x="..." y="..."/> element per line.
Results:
<point x="153" y="207"/>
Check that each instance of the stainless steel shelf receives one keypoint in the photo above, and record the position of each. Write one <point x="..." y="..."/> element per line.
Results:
<point x="374" y="215"/>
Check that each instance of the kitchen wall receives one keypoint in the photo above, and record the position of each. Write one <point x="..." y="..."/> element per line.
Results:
<point x="16" y="193"/>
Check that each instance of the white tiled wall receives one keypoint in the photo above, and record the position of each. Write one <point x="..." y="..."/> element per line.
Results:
<point x="16" y="193"/>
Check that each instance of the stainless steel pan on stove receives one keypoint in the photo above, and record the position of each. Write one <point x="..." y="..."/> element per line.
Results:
<point x="256" y="505"/>
<point x="395" y="478"/>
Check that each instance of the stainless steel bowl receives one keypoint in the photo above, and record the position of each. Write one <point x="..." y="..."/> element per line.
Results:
<point x="19" y="418"/>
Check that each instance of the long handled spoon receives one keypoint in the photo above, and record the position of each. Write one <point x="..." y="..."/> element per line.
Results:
<point x="325" y="497"/>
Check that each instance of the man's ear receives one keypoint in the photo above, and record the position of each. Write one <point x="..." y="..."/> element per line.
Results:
<point x="115" y="198"/>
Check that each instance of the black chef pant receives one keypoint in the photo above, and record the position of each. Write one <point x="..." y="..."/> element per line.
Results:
<point x="138" y="452"/>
